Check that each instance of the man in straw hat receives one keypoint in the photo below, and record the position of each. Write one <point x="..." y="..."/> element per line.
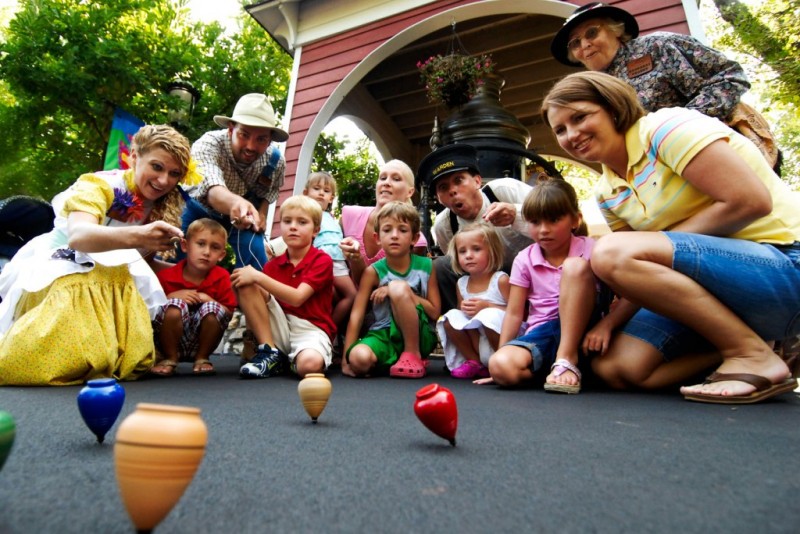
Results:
<point x="242" y="175"/>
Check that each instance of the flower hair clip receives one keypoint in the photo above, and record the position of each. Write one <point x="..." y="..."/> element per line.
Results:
<point x="126" y="206"/>
<point x="192" y="176"/>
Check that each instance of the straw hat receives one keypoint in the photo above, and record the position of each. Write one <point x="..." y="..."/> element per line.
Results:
<point x="254" y="110"/>
<point x="594" y="10"/>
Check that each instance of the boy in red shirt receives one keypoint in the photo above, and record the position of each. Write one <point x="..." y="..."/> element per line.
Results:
<point x="288" y="305"/>
<point x="190" y="325"/>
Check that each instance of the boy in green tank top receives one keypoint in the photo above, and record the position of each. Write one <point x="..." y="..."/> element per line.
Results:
<point x="405" y="300"/>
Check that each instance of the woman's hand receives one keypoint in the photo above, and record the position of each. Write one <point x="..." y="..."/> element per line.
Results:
<point x="160" y="236"/>
<point x="350" y="248"/>
<point x="598" y="338"/>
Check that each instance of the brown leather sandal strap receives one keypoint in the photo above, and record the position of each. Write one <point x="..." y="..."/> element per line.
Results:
<point x="759" y="382"/>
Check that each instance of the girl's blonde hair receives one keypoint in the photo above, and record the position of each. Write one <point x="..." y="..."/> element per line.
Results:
<point x="490" y="237"/>
<point x="152" y="136"/>
<point x="405" y="171"/>
<point x="323" y="178"/>
<point x="551" y="199"/>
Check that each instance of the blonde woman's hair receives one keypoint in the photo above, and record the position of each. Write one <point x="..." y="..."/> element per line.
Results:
<point x="305" y="204"/>
<point x="617" y="97"/>
<point x="550" y="199"/>
<point x="402" y="211"/>
<point x="490" y="237"/>
<point x="323" y="178"/>
<point x="209" y="225"/>
<point x="152" y="136"/>
<point x="404" y="171"/>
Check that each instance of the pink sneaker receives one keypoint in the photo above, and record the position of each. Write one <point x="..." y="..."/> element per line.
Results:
<point x="470" y="369"/>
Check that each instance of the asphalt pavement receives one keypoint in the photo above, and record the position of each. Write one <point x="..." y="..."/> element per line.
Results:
<point x="525" y="461"/>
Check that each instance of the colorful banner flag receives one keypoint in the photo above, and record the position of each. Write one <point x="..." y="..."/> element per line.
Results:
<point x="118" y="151"/>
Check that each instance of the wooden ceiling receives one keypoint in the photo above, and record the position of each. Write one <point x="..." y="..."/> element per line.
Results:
<point x="520" y="47"/>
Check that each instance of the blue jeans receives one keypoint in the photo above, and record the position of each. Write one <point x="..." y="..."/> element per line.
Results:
<point x="758" y="282"/>
<point x="542" y="342"/>
<point x="248" y="246"/>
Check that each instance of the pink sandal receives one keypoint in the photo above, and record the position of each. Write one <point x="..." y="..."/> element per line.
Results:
<point x="407" y="366"/>
<point x="560" y="367"/>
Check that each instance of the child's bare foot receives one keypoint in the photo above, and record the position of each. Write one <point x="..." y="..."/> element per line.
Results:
<point x="203" y="367"/>
<point x="484" y="381"/>
<point x="165" y="368"/>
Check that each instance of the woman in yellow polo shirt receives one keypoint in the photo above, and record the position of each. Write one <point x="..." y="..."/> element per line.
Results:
<point x="713" y="268"/>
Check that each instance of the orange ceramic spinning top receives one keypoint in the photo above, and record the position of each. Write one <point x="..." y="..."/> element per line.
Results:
<point x="157" y="451"/>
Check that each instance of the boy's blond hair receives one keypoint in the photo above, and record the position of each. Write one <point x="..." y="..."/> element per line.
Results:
<point x="401" y="211"/>
<point x="207" y="224"/>
<point x="321" y="177"/>
<point x="305" y="204"/>
<point x="490" y="237"/>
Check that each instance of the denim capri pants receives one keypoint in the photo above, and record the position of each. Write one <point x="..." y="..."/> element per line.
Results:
<point x="759" y="282"/>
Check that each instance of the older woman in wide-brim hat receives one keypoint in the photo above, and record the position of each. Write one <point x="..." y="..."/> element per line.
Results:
<point x="666" y="69"/>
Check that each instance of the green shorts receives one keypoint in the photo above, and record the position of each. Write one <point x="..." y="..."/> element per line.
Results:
<point x="387" y="343"/>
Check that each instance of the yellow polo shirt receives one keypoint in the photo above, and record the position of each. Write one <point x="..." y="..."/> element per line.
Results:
<point x="653" y="196"/>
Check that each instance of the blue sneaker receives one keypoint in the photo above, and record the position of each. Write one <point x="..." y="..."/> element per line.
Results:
<point x="268" y="361"/>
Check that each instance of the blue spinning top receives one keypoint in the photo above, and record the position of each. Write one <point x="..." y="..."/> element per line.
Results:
<point x="100" y="402"/>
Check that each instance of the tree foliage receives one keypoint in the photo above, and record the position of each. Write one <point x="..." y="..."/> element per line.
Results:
<point x="65" y="65"/>
<point x="355" y="170"/>
<point x="769" y="32"/>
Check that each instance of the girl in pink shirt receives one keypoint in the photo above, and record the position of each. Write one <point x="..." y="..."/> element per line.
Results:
<point x="554" y="279"/>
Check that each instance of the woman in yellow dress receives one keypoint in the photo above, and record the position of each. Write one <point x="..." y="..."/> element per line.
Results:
<point x="77" y="301"/>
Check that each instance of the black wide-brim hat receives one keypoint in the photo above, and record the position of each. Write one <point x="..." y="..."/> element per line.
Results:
<point x="594" y="10"/>
<point x="447" y="160"/>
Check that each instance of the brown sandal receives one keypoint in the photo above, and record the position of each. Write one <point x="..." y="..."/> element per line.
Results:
<point x="789" y="351"/>
<point x="168" y="367"/>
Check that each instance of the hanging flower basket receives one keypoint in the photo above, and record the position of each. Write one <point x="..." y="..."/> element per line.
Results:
<point x="453" y="79"/>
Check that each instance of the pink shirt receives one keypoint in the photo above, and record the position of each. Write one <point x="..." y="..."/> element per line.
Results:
<point x="542" y="280"/>
<point x="354" y="221"/>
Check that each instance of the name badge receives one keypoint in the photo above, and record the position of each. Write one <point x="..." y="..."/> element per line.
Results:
<point x="639" y="66"/>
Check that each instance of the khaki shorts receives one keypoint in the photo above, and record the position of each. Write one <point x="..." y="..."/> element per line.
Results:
<point x="293" y="334"/>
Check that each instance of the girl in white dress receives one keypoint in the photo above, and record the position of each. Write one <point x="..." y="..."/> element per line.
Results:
<point x="469" y="334"/>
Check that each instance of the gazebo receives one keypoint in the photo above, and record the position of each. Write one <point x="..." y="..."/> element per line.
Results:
<point x="357" y="59"/>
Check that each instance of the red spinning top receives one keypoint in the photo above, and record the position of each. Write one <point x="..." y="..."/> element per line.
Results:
<point x="436" y="408"/>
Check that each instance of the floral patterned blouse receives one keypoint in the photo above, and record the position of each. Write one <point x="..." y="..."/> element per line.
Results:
<point x="673" y="70"/>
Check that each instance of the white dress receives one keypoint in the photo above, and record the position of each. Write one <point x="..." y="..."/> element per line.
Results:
<point x="491" y="318"/>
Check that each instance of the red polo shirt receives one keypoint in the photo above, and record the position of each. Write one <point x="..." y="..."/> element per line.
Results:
<point x="316" y="270"/>
<point x="216" y="285"/>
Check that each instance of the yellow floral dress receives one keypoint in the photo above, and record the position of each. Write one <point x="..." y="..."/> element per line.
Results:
<point x="67" y="316"/>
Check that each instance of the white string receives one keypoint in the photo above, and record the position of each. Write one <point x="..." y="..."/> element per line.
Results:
<point x="249" y="249"/>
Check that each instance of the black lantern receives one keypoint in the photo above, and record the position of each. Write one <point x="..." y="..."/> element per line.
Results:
<point x="188" y="96"/>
